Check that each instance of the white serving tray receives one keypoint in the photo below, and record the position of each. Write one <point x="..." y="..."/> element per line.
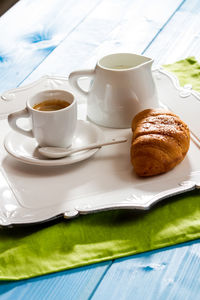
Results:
<point x="31" y="194"/>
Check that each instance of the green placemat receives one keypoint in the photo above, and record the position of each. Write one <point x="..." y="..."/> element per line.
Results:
<point x="32" y="251"/>
<point x="187" y="71"/>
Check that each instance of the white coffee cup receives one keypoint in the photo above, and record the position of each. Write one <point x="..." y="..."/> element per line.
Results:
<point x="49" y="128"/>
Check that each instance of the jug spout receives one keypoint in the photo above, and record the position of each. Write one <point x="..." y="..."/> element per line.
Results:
<point x="124" y="61"/>
<point x="143" y="61"/>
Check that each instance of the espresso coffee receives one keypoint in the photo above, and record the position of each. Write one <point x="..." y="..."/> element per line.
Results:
<point x="51" y="105"/>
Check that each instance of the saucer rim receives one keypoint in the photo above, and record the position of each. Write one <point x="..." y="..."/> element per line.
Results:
<point x="54" y="162"/>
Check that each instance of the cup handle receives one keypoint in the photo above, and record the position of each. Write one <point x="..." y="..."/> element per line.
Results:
<point x="12" y="120"/>
<point x="74" y="77"/>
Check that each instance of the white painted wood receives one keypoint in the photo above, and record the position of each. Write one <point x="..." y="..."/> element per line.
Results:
<point x="180" y="37"/>
<point x="128" y="25"/>
<point x="31" y="30"/>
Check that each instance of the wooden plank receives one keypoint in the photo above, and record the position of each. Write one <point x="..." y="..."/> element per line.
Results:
<point x="76" y="284"/>
<point x="111" y="26"/>
<point x="31" y="30"/>
<point x="171" y="273"/>
<point x="72" y="53"/>
<point x="181" y="36"/>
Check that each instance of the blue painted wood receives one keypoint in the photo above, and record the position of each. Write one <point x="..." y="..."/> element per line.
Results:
<point x="128" y="25"/>
<point x="170" y="273"/>
<point x="180" y="37"/>
<point x="31" y="30"/>
<point x="76" y="284"/>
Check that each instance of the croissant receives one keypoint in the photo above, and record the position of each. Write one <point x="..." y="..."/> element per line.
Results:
<point x="160" y="141"/>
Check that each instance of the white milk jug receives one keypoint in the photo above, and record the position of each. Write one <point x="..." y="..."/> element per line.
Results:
<point x="121" y="86"/>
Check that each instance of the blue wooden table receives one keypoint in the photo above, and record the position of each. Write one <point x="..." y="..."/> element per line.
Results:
<point x="40" y="37"/>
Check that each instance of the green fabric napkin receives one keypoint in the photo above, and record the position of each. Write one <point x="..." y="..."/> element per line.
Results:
<point x="37" y="250"/>
<point x="187" y="71"/>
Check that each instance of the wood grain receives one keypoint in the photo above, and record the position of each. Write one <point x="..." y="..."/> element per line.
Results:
<point x="128" y="25"/>
<point x="31" y="30"/>
<point x="43" y="37"/>
<point x="171" y="273"/>
<point x="180" y="37"/>
<point x="75" y="284"/>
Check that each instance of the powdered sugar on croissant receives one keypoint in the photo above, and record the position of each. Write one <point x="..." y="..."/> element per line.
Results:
<point x="160" y="141"/>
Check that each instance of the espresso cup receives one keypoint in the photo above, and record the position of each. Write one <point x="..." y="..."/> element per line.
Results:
<point x="53" y="115"/>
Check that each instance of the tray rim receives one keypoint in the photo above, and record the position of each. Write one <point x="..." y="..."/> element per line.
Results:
<point x="184" y="92"/>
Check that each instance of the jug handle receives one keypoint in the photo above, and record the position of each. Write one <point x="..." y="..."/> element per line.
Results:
<point x="74" y="77"/>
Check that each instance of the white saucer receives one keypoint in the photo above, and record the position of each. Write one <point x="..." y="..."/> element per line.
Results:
<point x="25" y="149"/>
